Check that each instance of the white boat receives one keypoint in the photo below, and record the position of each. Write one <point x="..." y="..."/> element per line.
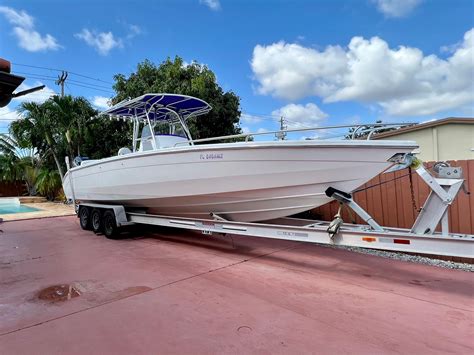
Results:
<point x="166" y="173"/>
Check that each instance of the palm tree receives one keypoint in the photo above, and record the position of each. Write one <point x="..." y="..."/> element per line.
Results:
<point x="48" y="183"/>
<point x="72" y="113"/>
<point x="59" y="124"/>
<point x="39" y="128"/>
<point x="17" y="164"/>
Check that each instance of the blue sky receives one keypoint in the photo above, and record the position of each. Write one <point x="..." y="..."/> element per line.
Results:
<point x="313" y="62"/>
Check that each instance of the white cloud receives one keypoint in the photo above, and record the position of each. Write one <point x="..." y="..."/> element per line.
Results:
<point x="300" y="116"/>
<point x="247" y="118"/>
<point x="101" y="102"/>
<point x="32" y="41"/>
<point x="103" y="42"/>
<point x="134" y="30"/>
<point x="292" y="71"/>
<point x="7" y="115"/>
<point x="262" y="130"/>
<point x="214" y="5"/>
<point x="24" y="31"/>
<point x="403" y="81"/>
<point x="396" y="8"/>
<point x="17" y="18"/>
<point x="245" y="129"/>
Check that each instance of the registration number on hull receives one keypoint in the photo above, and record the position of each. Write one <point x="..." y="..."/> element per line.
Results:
<point x="211" y="156"/>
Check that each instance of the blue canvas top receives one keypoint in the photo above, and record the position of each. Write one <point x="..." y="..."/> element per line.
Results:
<point x="159" y="107"/>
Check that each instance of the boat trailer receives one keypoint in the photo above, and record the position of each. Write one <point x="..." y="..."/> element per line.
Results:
<point x="422" y="238"/>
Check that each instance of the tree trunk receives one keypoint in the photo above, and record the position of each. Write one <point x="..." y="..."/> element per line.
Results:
<point x="58" y="164"/>
<point x="56" y="160"/>
<point x="70" y="147"/>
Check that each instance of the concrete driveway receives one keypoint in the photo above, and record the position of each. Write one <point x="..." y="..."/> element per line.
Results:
<point x="166" y="291"/>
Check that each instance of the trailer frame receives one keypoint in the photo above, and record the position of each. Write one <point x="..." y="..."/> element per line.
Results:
<point x="294" y="229"/>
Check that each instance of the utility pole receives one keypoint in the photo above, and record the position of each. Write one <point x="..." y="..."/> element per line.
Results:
<point x="281" y="136"/>
<point x="61" y="80"/>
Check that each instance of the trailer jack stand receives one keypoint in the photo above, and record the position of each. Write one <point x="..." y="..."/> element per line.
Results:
<point x="336" y="223"/>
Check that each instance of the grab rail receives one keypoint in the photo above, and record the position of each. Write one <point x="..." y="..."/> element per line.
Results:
<point x="374" y="127"/>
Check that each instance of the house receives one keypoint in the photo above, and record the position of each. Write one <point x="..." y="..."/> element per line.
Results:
<point x="450" y="138"/>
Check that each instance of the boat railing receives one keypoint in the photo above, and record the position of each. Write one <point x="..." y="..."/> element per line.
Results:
<point x="360" y="131"/>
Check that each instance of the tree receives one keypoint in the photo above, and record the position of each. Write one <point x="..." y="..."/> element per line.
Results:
<point x="39" y="129"/>
<point x="48" y="183"/>
<point x="62" y="126"/>
<point x="173" y="76"/>
<point x="72" y="115"/>
<point x="103" y="137"/>
<point x="18" y="164"/>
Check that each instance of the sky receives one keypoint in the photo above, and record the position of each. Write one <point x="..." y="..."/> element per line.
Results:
<point x="315" y="63"/>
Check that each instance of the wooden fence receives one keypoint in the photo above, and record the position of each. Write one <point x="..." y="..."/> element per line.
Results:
<point x="9" y="189"/>
<point x="390" y="203"/>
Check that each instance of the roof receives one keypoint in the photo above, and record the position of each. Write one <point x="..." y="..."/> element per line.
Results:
<point x="417" y="127"/>
<point x="159" y="106"/>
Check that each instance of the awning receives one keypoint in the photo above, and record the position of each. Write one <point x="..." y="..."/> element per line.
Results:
<point x="159" y="107"/>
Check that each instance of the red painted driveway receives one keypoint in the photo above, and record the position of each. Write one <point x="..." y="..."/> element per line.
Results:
<point x="166" y="291"/>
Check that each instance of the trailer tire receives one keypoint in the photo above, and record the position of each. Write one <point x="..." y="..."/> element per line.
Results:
<point x="85" y="217"/>
<point x="109" y="225"/>
<point x="96" y="220"/>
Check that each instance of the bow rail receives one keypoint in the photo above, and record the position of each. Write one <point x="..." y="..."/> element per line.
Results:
<point x="370" y="129"/>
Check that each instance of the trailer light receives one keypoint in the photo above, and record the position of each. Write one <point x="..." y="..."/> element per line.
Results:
<point x="369" y="239"/>
<point x="401" y="241"/>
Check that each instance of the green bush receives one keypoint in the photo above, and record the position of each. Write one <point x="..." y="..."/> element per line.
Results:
<point x="48" y="183"/>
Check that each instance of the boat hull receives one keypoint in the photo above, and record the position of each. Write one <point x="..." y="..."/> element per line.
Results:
<point x="239" y="181"/>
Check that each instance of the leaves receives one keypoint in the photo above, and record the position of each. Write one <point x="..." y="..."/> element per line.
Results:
<point x="62" y="126"/>
<point x="48" y="183"/>
<point x="17" y="164"/>
<point x="173" y="76"/>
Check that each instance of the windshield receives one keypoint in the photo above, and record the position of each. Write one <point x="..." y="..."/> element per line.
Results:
<point x="164" y="128"/>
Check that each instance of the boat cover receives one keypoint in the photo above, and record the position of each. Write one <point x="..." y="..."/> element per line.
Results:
<point x="159" y="107"/>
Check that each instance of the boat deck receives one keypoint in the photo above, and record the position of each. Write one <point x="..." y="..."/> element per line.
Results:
<point x="168" y="291"/>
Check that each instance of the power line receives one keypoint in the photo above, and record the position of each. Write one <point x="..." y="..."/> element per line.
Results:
<point x="60" y="70"/>
<point x="82" y="82"/>
<point x="274" y="118"/>
<point x="6" y="113"/>
<point x="70" y="91"/>
<point x="52" y="78"/>
<point x="91" y="78"/>
<point x="93" y="88"/>
<point x="36" y="74"/>
<point x="41" y="78"/>
<point x="35" y="66"/>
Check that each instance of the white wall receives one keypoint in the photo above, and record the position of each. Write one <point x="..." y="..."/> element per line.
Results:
<point x="451" y="141"/>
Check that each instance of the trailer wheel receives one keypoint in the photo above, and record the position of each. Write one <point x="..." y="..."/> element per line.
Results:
<point x="85" y="217"/>
<point x="96" y="220"/>
<point x="110" y="228"/>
